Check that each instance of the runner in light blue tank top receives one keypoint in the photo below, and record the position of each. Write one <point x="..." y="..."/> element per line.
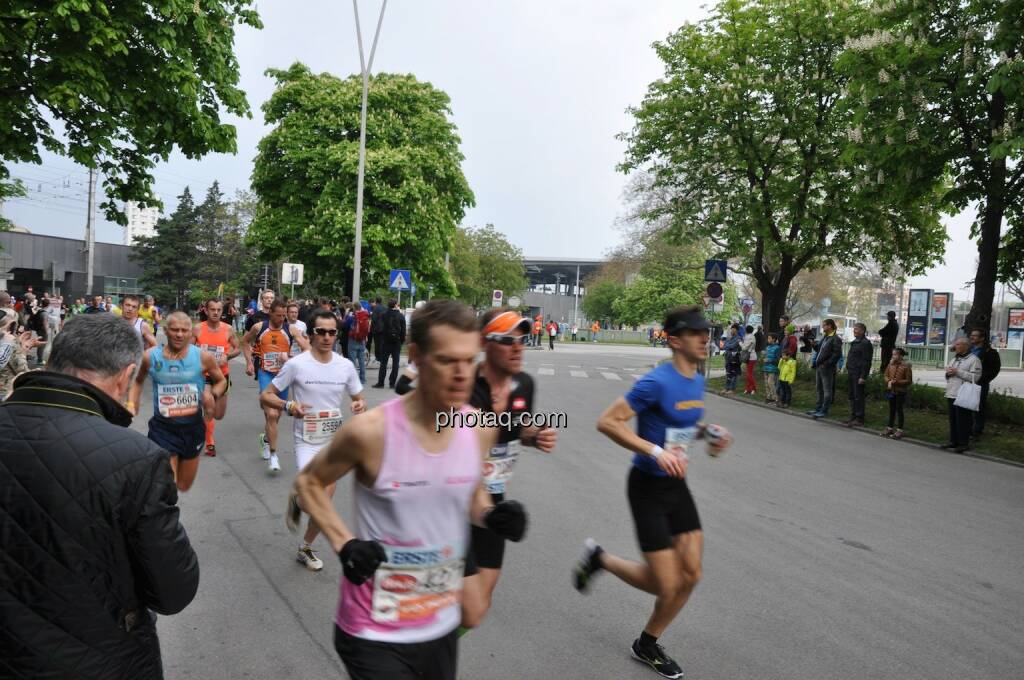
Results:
<point x="178" y="385"/>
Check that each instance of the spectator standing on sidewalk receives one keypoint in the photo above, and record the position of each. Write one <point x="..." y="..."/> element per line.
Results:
<point x="787" y="376"/>
<point x="990" y="367"/>
<point x="748" y="354"/>
<point x="858" y="367"/>
<point x="594" y="329"/>
<point x="807" y="344"/>
<point x="93" y="544"/>
<point x="733" y="362"/>
<point x="394" y="338"/>
<point x="825" y="362"/>
<point x="964" y="367"/>
<point x="888" y="333"/>
<point x="575" y="331"/>
<point x="772" y="354"/>
<point x="377" y="329"/>
<point x="899" y="376"/>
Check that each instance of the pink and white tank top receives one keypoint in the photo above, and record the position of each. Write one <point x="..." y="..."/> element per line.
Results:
<point x="418" y="509"/>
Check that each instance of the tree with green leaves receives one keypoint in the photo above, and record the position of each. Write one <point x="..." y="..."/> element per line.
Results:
<point x="117" y="86"/>
<point x="599" y="302"/>
<point x="223" y="255"/>
<point x="483" y="261"/>
<point x="938" y="91"/>
<point x="169" y="258"/>
<point x="745" y="135"/>
<point x="305" y="178"/>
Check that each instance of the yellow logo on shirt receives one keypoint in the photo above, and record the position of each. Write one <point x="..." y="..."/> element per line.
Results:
<point x="686" y="405"/>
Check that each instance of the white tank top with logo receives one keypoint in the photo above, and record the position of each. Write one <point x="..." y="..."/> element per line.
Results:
<point x="418" y="509"/>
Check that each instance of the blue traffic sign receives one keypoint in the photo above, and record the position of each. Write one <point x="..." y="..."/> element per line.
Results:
<point x="715" y="270"/>
<point x="399" y="279"/>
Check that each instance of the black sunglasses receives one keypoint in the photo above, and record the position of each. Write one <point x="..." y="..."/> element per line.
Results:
<point x="325" y="331"/>
<point x="508" y="340"/>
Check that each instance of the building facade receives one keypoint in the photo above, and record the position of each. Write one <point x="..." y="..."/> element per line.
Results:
<point x="141" y="222"/>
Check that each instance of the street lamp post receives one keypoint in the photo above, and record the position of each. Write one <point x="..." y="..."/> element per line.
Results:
<point x="365" y="65"/>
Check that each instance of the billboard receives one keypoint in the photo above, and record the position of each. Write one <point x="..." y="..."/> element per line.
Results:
<point x="918" y="312"/>
<point x="1015" y="328"/>
<point x="886" y="304"/>
<point x="940" y="316"/>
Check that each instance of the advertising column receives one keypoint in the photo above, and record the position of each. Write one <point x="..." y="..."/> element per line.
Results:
<point x="917" y="316"/>
<point x="1015" y="328"/>
<point x="938" y="330"/>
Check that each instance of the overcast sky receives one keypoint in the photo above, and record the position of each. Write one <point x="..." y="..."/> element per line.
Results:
<point x="539" y="90"/>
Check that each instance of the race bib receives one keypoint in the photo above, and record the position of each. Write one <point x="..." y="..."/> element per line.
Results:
<point x="177" y="401"/>
<point x="217" y="351"/>
<point x="499" y="465"/>
<point x="272" y="362"/>
<point x="416" y="583"/>
<point x="320" y="426"/>
<point x="678" y="438"/>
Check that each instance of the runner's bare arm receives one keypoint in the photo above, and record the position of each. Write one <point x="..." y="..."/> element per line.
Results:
<point x="614" y="424"/>
<point x="300" y="338"/>
<point x="356" y="446"/>
<point x="543" y="439"/>
<point x="482" y="501"/>
<point x="136" y="389"/>
<point x="247" y="340"/>
<point x="234" y="349"/>
<point x="358" y="403"/>
<point x="220" y="383"/>
<point x="148" y="339"/>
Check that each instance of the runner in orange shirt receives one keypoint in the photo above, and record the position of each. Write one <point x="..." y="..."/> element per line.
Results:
<point x="218" y="339"/>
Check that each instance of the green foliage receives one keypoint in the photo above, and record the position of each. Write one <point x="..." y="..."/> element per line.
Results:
<point x="746" y="132"/>
<point x="124" y="83"/>
<point x="938" y="95"/>
<point x="306" y="170"/>
<point x="483" y="261"/>
<point x="167" y="258"/>
<point x="599" y="302"/>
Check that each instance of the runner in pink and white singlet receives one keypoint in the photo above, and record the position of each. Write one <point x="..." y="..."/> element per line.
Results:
<point x="415" y="485"/>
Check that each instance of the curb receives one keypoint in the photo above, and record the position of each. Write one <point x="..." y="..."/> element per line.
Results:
<point x="865" y="430"/>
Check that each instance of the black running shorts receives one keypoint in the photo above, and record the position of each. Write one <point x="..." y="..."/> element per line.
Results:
<point x="372" y="660"/>
<point x="486" y="548"/>
<point x="184" y="439"/>
<point x="662" y="508"/>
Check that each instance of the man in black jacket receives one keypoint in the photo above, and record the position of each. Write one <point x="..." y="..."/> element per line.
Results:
<point x="888" y="333"/>
<point x="830" y="351"/>
<point x="92" y="543"/>
<point x="990" y="367"/>
<point x="392" y="339"/>
<point x="858" y="367"/>
<point x="377" y="312"/>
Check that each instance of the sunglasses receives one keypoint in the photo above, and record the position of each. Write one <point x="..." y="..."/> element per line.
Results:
<point x="508" y="340"/>
<point x="325" y="331"/>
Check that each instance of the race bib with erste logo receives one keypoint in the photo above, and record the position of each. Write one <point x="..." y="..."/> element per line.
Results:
<point x="177" y="401"/>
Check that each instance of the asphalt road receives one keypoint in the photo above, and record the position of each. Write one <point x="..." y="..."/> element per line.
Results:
<point x="829" y="554"/>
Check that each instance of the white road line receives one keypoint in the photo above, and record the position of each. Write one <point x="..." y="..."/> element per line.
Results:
<point x="578" y="374"/>
<point x="575" y="366"/>
<point x="610" y="376"/>
<point x="601" y="368"/>
<point x="545" y="371"/>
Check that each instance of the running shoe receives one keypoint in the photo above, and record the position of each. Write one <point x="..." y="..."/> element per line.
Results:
<point x="264" y="446"/>
<point x="657" y="659"/>
<point x="211" y="450"/>
<point x="307" y="557"/>
<point x="588" y="565"/>
<point x="275" y="465"/>
<point x="293" y="513"/>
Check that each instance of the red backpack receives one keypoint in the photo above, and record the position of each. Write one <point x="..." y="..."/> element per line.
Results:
<point x="361" y="328"/>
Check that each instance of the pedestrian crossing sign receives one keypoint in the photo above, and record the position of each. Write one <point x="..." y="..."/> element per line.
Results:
<point x="399" y="279"/>
<point x="715" y="270"/>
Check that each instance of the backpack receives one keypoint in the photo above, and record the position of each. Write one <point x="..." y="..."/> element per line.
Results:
<point x="361" y="328"/>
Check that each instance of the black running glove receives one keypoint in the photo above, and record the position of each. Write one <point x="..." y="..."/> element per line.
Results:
<point x="507" y="519"/>
<point x="360" y="559"/>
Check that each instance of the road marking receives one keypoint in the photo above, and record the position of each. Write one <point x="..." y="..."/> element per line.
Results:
<point x="601" y="368"/>
<point x="578" y="374"/>
<point x="545" y="371"/>
<point x="611" y="376"/>
<point x="575" y="366"/>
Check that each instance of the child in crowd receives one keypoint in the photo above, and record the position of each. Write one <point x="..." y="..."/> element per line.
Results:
<point x="772" y="354"/>
<point x="899" y="376"/>
<point x="787" y="376"/>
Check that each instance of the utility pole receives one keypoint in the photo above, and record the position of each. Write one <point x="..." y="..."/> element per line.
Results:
<point x="90" y="233"/>
<point x="576" y="302"/>
<point x="365" y="65"/>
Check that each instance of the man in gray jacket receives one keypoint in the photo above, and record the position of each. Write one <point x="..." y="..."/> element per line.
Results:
<point x="829" y="352"/>
<point x="858" y="366"/>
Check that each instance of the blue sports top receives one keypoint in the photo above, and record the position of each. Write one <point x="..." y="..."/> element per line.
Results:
<point x="177" y="384"/>
<point x="668" y="406"/>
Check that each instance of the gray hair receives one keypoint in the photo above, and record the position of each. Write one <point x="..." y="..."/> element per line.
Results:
<point x="99" y="343"/>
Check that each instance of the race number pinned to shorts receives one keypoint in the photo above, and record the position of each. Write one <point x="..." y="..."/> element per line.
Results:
<point x="177" y="401"/>
<point x="499" y="465"/>
<point x="272" y="361"/>
<point x="318" y="427"/>
<point x="415" y="583"/>
<point x="678" y="438"/>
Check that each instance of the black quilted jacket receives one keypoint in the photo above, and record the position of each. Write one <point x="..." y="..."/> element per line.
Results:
<point x="90" y="541"/>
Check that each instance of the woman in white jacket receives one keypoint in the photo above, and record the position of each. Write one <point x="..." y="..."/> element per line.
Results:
<point x="965" y="367"/>
<point x="748" y="355"/>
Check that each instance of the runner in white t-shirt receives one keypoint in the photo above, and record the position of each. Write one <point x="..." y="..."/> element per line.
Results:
<point x="316" y="382"/>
